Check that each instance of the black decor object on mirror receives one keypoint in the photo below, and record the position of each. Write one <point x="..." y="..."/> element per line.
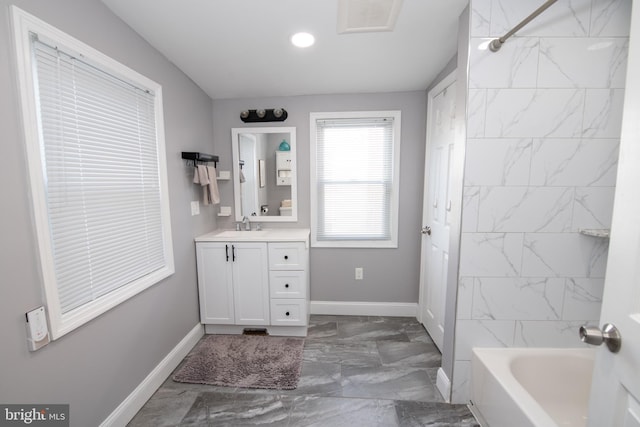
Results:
<point x="264" y="115"/>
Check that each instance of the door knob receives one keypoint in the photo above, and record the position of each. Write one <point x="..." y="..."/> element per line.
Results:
<point x="608" y="335"/>
<point x="426" y="230"/>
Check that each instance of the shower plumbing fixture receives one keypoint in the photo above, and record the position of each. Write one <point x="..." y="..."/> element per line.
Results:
<point x="496" y="44"/>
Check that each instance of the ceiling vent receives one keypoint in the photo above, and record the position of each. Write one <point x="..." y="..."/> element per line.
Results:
<point x="364" y="16"/>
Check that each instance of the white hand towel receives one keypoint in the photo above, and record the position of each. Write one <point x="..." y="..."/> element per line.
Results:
<point x="214" y="195"/>
<point x="202" y="175"/>
<point x="205" y="195"/>
<point x="242" y="178"/>
<point x="203" y="180"/>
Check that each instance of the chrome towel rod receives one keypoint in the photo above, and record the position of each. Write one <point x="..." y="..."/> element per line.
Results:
<point x="496" y="44"/>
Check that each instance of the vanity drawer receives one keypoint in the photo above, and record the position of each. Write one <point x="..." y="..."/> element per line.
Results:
<point x="288" y="256"/>
<point x="288" y="312"/>
<point x="288" y="284"/>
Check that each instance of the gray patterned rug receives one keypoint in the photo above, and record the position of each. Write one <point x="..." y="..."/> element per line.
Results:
<point x="244" y="361"/>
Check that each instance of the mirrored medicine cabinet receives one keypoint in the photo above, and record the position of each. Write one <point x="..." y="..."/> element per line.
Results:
<point x="264" y="174"/>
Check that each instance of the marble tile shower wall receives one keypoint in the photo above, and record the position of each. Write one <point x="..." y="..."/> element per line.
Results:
<point x="543" y="129"/>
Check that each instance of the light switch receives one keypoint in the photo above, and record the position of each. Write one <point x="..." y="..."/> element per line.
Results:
<point x="195" y="208"/>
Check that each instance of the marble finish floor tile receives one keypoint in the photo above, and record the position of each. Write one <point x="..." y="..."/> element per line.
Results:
<point x="389" y="383"/>
<point x="165" y="408"/>
<point x="433" y="374"/>
<point x="405" y="324"/>
<point x="361" y="331"/>
<point x="318" y="379"/>
<point x="228" y="409"/>
<point x="356" y="371"/>
<point x="339" y="412"/>
<point x="421" y="336"/>
<point x="357" y="353"/>
<point x="414" y="354"/>
<point x="321" y="330"/>
<point x="433" y="414"/>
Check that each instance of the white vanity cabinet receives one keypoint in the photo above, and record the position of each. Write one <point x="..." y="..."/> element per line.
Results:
<point x="288" y="283"/>
<point x="233" y="283"/>
<point x="254" y="279"/>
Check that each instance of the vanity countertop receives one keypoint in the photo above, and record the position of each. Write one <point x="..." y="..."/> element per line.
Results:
<point x="264" y="235"/>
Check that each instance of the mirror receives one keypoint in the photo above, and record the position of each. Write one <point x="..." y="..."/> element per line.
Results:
<point x="264" y="174"/>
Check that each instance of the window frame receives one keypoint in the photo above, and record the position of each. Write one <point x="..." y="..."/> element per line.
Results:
<point x="392" y="242"/>
<point x="24" y="25"/>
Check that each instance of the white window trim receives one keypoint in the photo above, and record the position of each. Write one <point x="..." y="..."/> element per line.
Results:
<point x="60" y="324"/>
<point x="395" y="196"/>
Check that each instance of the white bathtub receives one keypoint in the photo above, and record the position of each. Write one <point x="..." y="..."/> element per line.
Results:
<point x="531" y="387"/>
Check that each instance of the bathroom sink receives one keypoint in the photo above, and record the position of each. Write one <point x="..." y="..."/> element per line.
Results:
<point x="270" y="235"/>
<point x="242" y="235"/>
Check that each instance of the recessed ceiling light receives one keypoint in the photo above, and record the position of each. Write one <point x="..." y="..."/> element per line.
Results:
<point x="302" y="39"/>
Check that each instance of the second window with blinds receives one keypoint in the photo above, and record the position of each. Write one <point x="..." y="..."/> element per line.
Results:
<point x="355" y="159"/>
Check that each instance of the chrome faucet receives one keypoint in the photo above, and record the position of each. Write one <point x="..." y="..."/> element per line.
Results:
<point x="247" y="223"/>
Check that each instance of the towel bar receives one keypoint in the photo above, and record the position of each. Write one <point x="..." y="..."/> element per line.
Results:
<point x="197" y="157"/>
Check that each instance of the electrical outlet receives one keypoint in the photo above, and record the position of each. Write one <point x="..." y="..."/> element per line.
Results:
<point x="195" y="208"/>
<point x="359" y="273"/>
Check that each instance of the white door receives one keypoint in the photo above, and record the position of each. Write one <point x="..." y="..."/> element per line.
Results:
<point x="215" y="283"/>
<point x="615" y="393"/>
<point x="250" y="283"/>
<point x="436" y="210"/>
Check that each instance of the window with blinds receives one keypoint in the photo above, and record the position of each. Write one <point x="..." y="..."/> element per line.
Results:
<point x="355" y="179"/>
<point x="99" y="176"/>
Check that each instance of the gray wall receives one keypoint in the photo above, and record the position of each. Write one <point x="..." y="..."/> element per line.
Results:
<point x="95" y="367"/>
<point x="390" y="275"/>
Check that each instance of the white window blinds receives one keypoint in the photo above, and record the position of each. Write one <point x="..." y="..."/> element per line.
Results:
<point x="102" y="180"/>
<point x="354" y="179"/>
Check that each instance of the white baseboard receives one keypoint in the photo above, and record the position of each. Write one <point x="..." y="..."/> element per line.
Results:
<point x="444" y="385"/>
<point x="349" y="308"/>
<point x="138" y="397"/>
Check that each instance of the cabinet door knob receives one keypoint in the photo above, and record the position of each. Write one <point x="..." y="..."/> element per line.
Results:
<point x="287" y="313"/>
<point x="286" y="257"/>
<point x="286" y="285"/>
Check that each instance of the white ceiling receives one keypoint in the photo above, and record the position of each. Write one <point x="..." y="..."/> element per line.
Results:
<point x="241" y="48"/>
